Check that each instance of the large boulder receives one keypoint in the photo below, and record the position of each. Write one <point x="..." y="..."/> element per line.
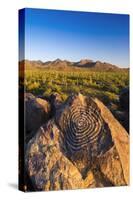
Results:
<point x="37" y="112"/>
<point x="83" y="146"/>
<point x="115" y="166"/>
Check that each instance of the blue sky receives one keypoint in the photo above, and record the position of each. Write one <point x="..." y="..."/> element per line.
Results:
<point x="51" y="34"/>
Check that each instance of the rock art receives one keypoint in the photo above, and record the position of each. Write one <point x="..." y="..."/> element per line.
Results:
<point x="82" y="146"/>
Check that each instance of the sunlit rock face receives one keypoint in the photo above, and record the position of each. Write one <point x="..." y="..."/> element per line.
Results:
<point x="82" y="146"/>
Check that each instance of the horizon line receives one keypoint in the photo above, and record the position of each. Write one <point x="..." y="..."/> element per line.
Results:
<point x="69" y="60"/>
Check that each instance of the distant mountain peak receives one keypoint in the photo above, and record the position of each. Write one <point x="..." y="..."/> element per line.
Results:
<point x="57" y="60"/>
<point x="67" y="65"/>
<point x="84" y="61"/>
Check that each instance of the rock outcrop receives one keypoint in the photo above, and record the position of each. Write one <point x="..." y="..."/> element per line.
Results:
<point x="82" y="146"/>
<point x="37" y="112"/>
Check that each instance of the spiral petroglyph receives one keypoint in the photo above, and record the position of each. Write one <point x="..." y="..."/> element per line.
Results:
<point x="82" y="146"/>
<point x="80" y="122"/>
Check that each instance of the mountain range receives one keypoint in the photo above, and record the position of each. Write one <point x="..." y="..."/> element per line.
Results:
<point x="65" y="65"/>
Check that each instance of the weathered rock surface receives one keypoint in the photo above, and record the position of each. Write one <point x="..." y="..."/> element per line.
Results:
<point x="121" y="143"/>
<point x="83" y="146"/>
<point x="37" y="112"/>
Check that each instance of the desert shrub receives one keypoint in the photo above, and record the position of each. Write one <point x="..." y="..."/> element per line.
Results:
<point x="33" y="86"/>
<point x="47" y="92"/>
<point x="64" y="96"/>
<point x="111" y="96"/>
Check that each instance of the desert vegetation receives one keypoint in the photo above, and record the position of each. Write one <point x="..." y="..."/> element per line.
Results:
<point x="104" y="85"/>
